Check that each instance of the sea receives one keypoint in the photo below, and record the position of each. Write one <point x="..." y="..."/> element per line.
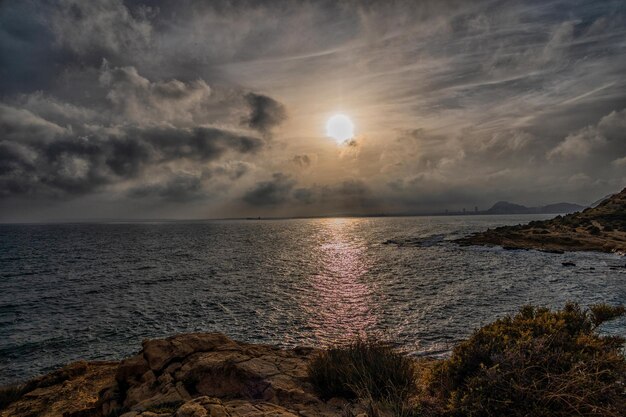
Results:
<point x="94" y="291"/>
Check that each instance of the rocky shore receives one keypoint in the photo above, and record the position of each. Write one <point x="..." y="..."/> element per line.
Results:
<point x="538" y="362"/>
<point x="601" y="228"/>
<point x="189" y="375"/>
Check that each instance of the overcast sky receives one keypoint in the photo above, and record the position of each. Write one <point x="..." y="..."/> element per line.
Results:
<point x="200" y="109"/>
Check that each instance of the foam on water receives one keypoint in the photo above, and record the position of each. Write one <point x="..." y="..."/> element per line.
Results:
<point x="94" y="291"/>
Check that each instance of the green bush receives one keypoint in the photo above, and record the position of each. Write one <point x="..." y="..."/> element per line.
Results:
<point x="366" y="370"/>
<point x="536" y="363"/>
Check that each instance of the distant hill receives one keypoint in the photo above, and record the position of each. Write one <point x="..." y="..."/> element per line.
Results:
<point x="599" y="228"/>
<point x="559" y="208"/>
<point x="504" y="207"/>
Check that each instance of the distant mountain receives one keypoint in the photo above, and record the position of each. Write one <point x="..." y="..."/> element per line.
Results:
<point x="558" y="208"/>
<point x="504" y="207"/>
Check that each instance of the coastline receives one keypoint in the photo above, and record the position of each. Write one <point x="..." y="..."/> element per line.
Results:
<point x="536" y="362"/>
<point x="600" y="229"/>
<point x="554" y="241"/>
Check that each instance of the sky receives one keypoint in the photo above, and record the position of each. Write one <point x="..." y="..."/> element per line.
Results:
<point x="190" y="109"/>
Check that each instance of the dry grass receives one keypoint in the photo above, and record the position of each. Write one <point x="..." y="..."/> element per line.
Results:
<point x="10" y="394"/>
<point x="370" y="371"/>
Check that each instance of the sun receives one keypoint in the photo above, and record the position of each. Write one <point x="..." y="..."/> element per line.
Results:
<point x="340" y="128"/>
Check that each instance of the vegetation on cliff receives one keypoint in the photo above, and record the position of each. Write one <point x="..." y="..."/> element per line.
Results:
<point x="536" y="363"/>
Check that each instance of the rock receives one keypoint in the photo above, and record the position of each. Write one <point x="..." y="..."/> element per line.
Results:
<point x="192" y="409"/>
<point x="132" y="367"/>
<point x="161" y="352"/>
<point x="212" y="406"/>
<point x="70" y="391"/>
<point x="568" y="263"/>
<point x="212" y="375"/>
<point x="190" y="375"/>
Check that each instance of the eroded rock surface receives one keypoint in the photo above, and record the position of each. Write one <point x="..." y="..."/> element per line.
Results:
<point x="68" y="391"/>
<point x="189" y="375"/>
<point x="200" y="375"/>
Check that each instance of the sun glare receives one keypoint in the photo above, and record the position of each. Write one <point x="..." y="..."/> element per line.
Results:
<point x="340" y="128"/>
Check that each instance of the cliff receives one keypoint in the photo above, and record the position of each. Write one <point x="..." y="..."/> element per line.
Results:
<point x="601" y="228"/>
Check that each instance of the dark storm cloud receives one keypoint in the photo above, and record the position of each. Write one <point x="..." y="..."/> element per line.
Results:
<point x="126" y="127"/>
<point x="346" y="195"/>
<point x="41" y="157"/>
<point x="200" y="143"/>
<point x="265" y="112"/>
<point x="304" y="195"/>
<point x="349" y="196"/>
<point x="272" y="192"/>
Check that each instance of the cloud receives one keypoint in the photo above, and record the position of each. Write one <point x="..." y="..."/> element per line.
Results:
<point x="304" y="160"/>
<point x="22" y="125"/>
<point x="350" y="195"/>
<point x="41" y="158"/>
<point x="579" y="144"/>
<point x="304" y="195"/>
<point x="272" y="192"/>
<point x="132" y="132"/>
<point x="137" y="99"/>
<point x="620" y="162"/>
<point x="181" y="187"/>
<point x="232" y="169"/>
<point x="605" y="138"/>
<point x="103" y="26"/>
<point x="265" y="112"/>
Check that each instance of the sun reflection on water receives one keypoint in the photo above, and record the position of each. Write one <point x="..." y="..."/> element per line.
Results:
<point x="342" y="307"/>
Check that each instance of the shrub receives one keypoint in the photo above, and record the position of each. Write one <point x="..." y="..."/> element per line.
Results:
<point x="594" y="230"/>
<point x="367" y="370"/>
<point x="536" y="363"/>
<point x="10" y="394"/>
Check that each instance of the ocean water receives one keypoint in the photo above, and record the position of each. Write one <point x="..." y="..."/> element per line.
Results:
<point x="94" y="291"/>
